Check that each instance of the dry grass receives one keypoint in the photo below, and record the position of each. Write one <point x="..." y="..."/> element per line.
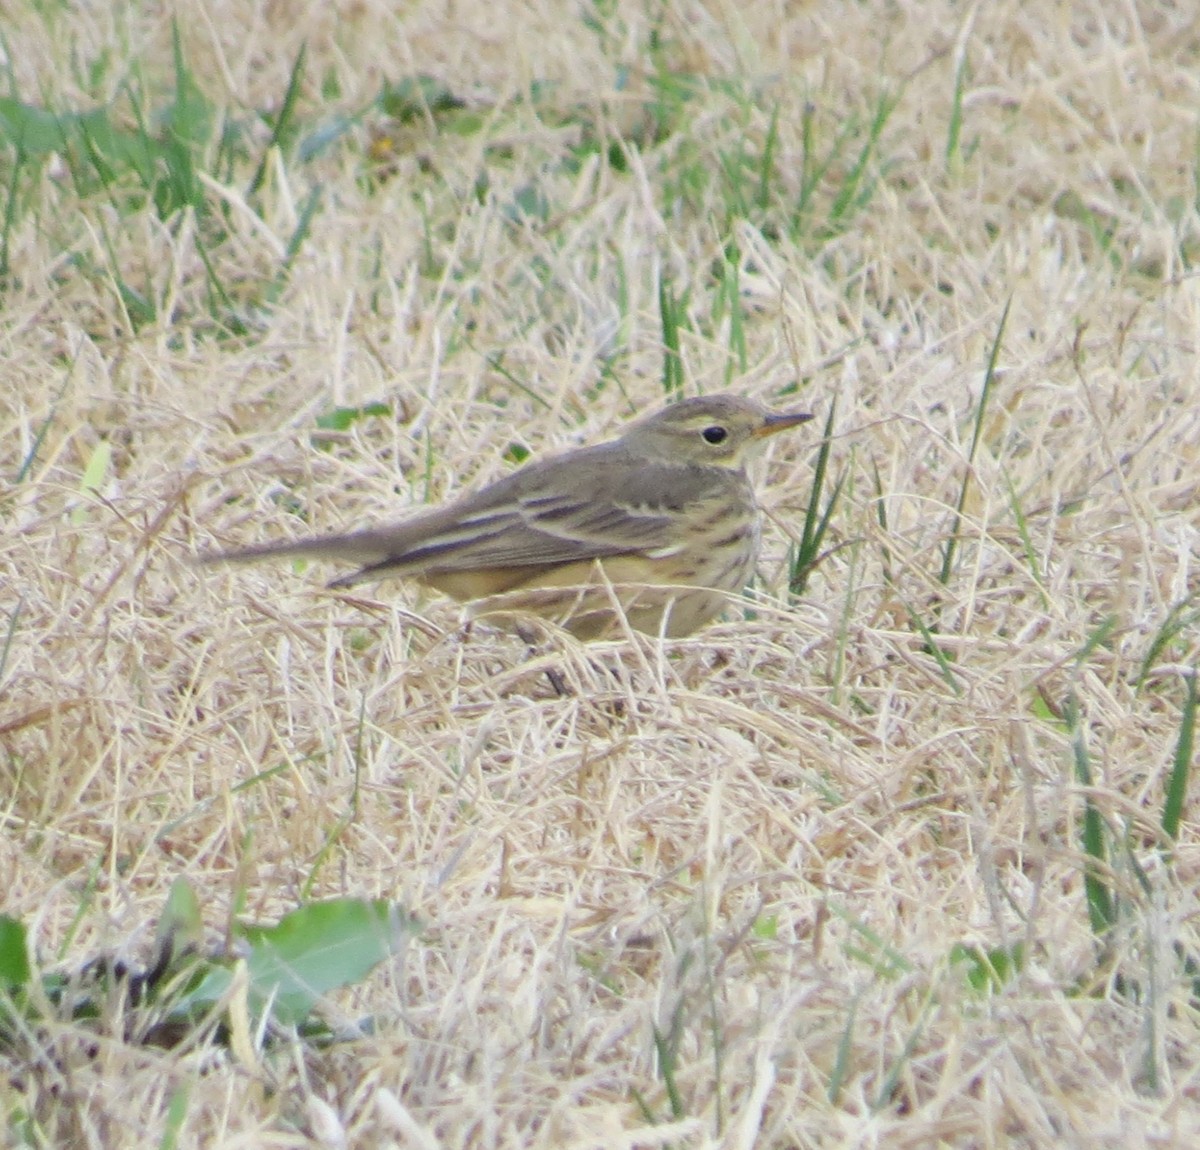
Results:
<point x="764" y="841"/>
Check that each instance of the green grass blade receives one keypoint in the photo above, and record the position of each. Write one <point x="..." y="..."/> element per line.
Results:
<point x="815" y="524"/>
<point x="933" y="648"/>
<point x="220" y="302"/>
<point x="1180" y="617"/>
<point x="716" y="1033"/>
<point x="189" y="128"/>
<point x="1100" y="903"/>
<point x="299" y="234"/>
<point x="496" y="363"/>
<point x="30" y="459"/>
<point x="643" y="1106"/>
<point x="841" y="1062"/>
<point x="891" y="1080"/>
<point x="807" y="182"/>
<point x="1099" y="637"/>
<point x="871" y="948"/>
<point x="14" y="618"/>
<point x="206" y="804"/>
<point x="1026" y="540"/>
<point x="881" y="517"/>
<point x="954" y="130"/>
<point x="766" y="163"/>
<point x="284" y="125"/>
<point x="731" y="287"/>
<point x="852" y="194"/>
<point x="10" y="214"/>
<point x="980" y="412"/>
<point x="670" y="309"/>
<point x="177" y="1112"/>
<point x="666" y="1049"/>
<point x="1181" y="766"/>
<point x="733" y="168"/>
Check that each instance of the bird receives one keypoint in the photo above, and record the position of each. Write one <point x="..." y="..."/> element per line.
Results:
<point x="656" y="528"/>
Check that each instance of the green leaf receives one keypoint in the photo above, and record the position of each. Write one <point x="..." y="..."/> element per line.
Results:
<point x="30" y="130"/>
<point x="529" y="202"/>
<point x="177" y="1113"/>
<point x="309" y="953"/>
<point x="415" y="96"/>
<point x="92" y="480"/>
<point x="988" y="970"/>
<point x="97" y="467"/>
<point x="1040" y="709"/>
<point x="344" y="418"/>
<point x="14" y="953"/>
<point x="181" y="926"/>
<point x="766" y="927"/>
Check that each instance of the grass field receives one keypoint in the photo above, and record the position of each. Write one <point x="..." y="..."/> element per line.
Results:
<point x="900" y="852"/>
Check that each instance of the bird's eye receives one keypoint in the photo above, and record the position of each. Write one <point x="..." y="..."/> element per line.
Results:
<point x="715" y="435"/>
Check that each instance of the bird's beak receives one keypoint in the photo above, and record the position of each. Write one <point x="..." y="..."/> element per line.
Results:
<point x="781" y="422"/>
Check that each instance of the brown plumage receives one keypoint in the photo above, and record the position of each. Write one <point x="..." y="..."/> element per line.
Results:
<point x="663" y="520"/>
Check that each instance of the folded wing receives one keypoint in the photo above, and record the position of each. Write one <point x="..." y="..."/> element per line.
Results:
<point x="544" y="516"/>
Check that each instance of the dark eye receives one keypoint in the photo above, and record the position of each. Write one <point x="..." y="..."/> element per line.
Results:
<point x="715" y="435"/>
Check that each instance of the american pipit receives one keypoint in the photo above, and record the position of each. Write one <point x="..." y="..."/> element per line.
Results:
<point x="660" y="525"/>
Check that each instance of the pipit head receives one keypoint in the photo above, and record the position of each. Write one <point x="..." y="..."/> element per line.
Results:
<point x="712" y="431"/>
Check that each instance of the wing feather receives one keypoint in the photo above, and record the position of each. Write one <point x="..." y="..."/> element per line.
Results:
<point x="593" y="504"/>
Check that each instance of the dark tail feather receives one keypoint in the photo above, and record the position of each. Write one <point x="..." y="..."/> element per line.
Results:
<point x="347" y="548"/>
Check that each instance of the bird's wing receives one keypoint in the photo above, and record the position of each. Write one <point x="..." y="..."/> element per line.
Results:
<point x="588" y="505"/>
<point x="607" y="507"/>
